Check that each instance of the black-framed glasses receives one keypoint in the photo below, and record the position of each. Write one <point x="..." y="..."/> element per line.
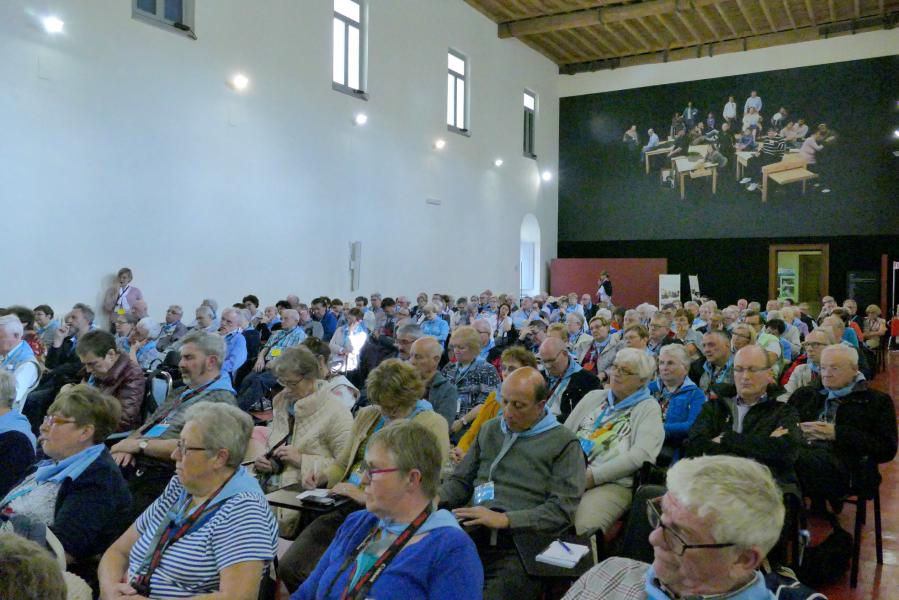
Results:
<point x="740" y="370"/>
<point x="672" y="539"/>
<point x="545" y="361"/>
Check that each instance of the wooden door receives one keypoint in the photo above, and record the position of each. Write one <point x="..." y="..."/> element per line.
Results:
<point x="810" y="271"/>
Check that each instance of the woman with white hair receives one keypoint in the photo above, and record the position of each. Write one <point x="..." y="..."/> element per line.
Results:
<point x="17" y="357"/>
<point x="619" y="429"/>
<point x="433" y="324"/>
<point x="143" y="344"/>
<point x="679" y="398"/>
<point x="210" y="531"/>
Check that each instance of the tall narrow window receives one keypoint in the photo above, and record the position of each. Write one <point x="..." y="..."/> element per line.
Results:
<point x="530" y="122"/>
<point x="457" y="93"/>
<point x="348" y="65"/>
<point x="174" y="14"/>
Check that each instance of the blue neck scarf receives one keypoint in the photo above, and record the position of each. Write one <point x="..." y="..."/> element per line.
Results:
<point x="547" y="422"/>
<point x="813" y="367"/>
<point x="573" y="368"/>
<point x="16" y="421"/>
<point x="844" y="391"/>
<point x="754" y="590"/>
<point x="482" y="355"/>
<point x="437" y="519"/>
<point x="615" y="405"/>
<point x="67" y="468"/>
<point x="54" y="324"/>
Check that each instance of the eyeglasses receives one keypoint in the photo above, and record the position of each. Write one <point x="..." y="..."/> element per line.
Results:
<point x="751" y="369"/>
<point x="544" y="361"/>
<point x="508" y="368"/>
<point x="289" y="382"/>
<point x="51" y="420"/>
<point x="621" y="370"/>
<point x="743" y="335"/>
<point x="367" y="472"/>
<point x="674" y="541"/>
<point x="183" y="448"/>
<point x="813" y="345"/>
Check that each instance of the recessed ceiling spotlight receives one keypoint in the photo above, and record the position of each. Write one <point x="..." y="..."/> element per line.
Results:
<point x="361" y="119"/>
<point x="440" y="144"/>
<point x="498" y="162"/>
<point x="240" y="82"/>
<point x="53" y="24"/>
<point x="546" y="176"/>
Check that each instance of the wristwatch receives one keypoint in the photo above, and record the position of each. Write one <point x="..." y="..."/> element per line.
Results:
<point x="141" y="446"/>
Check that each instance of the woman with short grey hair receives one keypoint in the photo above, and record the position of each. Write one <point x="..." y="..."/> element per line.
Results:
<point x="233" y="535"/>
<point x="619" y="429"/>
<point x="679" y="397"/>
<point x="17" y="442"/>
<point x="143" y="344"/>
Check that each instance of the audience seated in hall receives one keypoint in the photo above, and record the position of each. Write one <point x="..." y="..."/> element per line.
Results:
<point x="536" y="454"/>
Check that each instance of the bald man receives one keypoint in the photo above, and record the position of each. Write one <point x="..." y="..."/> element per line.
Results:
<point x="751" y="424"/>
<point x="524" y="472"/>
<point x="439" y="391"/>
<point x="568" y="381"/>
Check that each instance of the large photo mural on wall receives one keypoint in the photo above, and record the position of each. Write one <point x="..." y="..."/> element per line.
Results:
<point x="809" y="151"/>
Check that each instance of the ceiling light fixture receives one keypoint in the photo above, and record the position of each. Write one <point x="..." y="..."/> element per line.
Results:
<point x="53" y="24"/>
<point x="440" y="144"/>
<point x="240" y="82"/>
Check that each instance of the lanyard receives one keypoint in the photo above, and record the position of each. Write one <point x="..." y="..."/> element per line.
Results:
<point x="368" y="579"/>
<point x="170" y="532"/>
<point x="460" y="375"/>
<point x="185" y="397"/>
<point x="508" y="442"/>
<point x="121" y="294"/>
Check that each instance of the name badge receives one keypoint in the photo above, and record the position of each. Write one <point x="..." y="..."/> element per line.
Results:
<point x="587" y="446"/>
<point x="276" y="352"/>
<point x="156" y="430"/>
<point x="355" y="478"/>
<point x="120" y="311"/>
<point x="484" y="493"/>
<point x="461" y="401"/>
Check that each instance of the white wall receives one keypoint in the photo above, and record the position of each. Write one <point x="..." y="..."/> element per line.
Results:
<point x="838" y="49"/>
<point x="123" y="145"/>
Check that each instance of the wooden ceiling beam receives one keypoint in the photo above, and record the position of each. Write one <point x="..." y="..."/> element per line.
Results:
<point x="789" y="14"/>
<point x="604" y="44"/>
<point x="579" y="36"/>
<point x="563" y="43"/>
<point x="563" y="54"/>
<point x="708" y="22"/>
<point x="603" y="15"/>
<point x="675" y="34"/>
<point x="811" y="12"/>
<point x="767" y="12"/>
<point x="658" y="38"/>
<point x="618" y="39"/>
<point x="683" y="19"/>
<point x="746" y="17"/>
<point x="833" y="14"/>
<point x="726" y="20"/>
<point x="858" y="10"/>
<point x="641" y="39"/>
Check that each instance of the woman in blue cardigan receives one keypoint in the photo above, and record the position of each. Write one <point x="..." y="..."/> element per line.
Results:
<point x="681" y="399"/>
<point x="400" y="546"/>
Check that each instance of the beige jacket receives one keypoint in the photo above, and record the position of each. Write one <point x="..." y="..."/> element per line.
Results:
<point x="365" y="421"/>
<point x="321" y="430"/>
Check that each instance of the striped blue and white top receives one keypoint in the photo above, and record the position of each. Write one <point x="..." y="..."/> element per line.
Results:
<point x="243" y="529"/>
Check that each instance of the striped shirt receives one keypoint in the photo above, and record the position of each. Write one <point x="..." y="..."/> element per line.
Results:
<point x="242" y="529"/>
<point x="282" y="339"/>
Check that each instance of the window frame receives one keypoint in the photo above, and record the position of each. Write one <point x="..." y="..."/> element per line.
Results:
<point x="529" y="134"/>
<point x="362" y="26"/>
<point x="466" y="80"/>
<point x="188" y="14"/>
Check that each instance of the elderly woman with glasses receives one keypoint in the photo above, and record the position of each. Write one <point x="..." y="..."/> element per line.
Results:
<point x="399" y="546"/>
<point x="143" y="344"/>
<point x="742" y="335"/>
<point x="474" y="378"/>
<point x="597" y="351"/>
<point x="619" y="429"/>
<point x="210" y="532"/>
<point x="680" y="399"/>
<point x="395" y="391"/>
<point x="78" y="492"/>
<point x="309" y="429"/>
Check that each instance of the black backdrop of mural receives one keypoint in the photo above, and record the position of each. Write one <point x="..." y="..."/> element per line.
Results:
<point x="605" y="193"/>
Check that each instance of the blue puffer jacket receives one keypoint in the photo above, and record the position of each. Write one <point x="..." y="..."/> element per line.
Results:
<point x="683" y="408"/>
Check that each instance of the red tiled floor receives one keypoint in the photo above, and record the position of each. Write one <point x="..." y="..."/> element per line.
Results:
<point x="877" y="582"/>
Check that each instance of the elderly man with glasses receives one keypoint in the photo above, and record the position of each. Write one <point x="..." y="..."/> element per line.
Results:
<point x="847" y="428"/>
<point x="568" y="381"/>
<point x="751" y="424"/>
<point x="710" y="532"/>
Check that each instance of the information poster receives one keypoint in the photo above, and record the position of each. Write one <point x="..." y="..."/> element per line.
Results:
<point x="694" y="288"/>
<point x="669" y="289"/>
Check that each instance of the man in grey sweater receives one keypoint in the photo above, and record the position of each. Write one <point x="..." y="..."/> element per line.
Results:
<point x="524" y="473"/>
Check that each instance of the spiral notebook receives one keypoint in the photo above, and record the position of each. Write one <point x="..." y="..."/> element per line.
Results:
<point x="556" y="554"/>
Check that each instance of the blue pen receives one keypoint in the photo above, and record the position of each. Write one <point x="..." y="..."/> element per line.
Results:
<point x="565" y="546"/>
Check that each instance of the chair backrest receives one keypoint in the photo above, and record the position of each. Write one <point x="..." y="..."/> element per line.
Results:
<point x="159" y="384"/>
